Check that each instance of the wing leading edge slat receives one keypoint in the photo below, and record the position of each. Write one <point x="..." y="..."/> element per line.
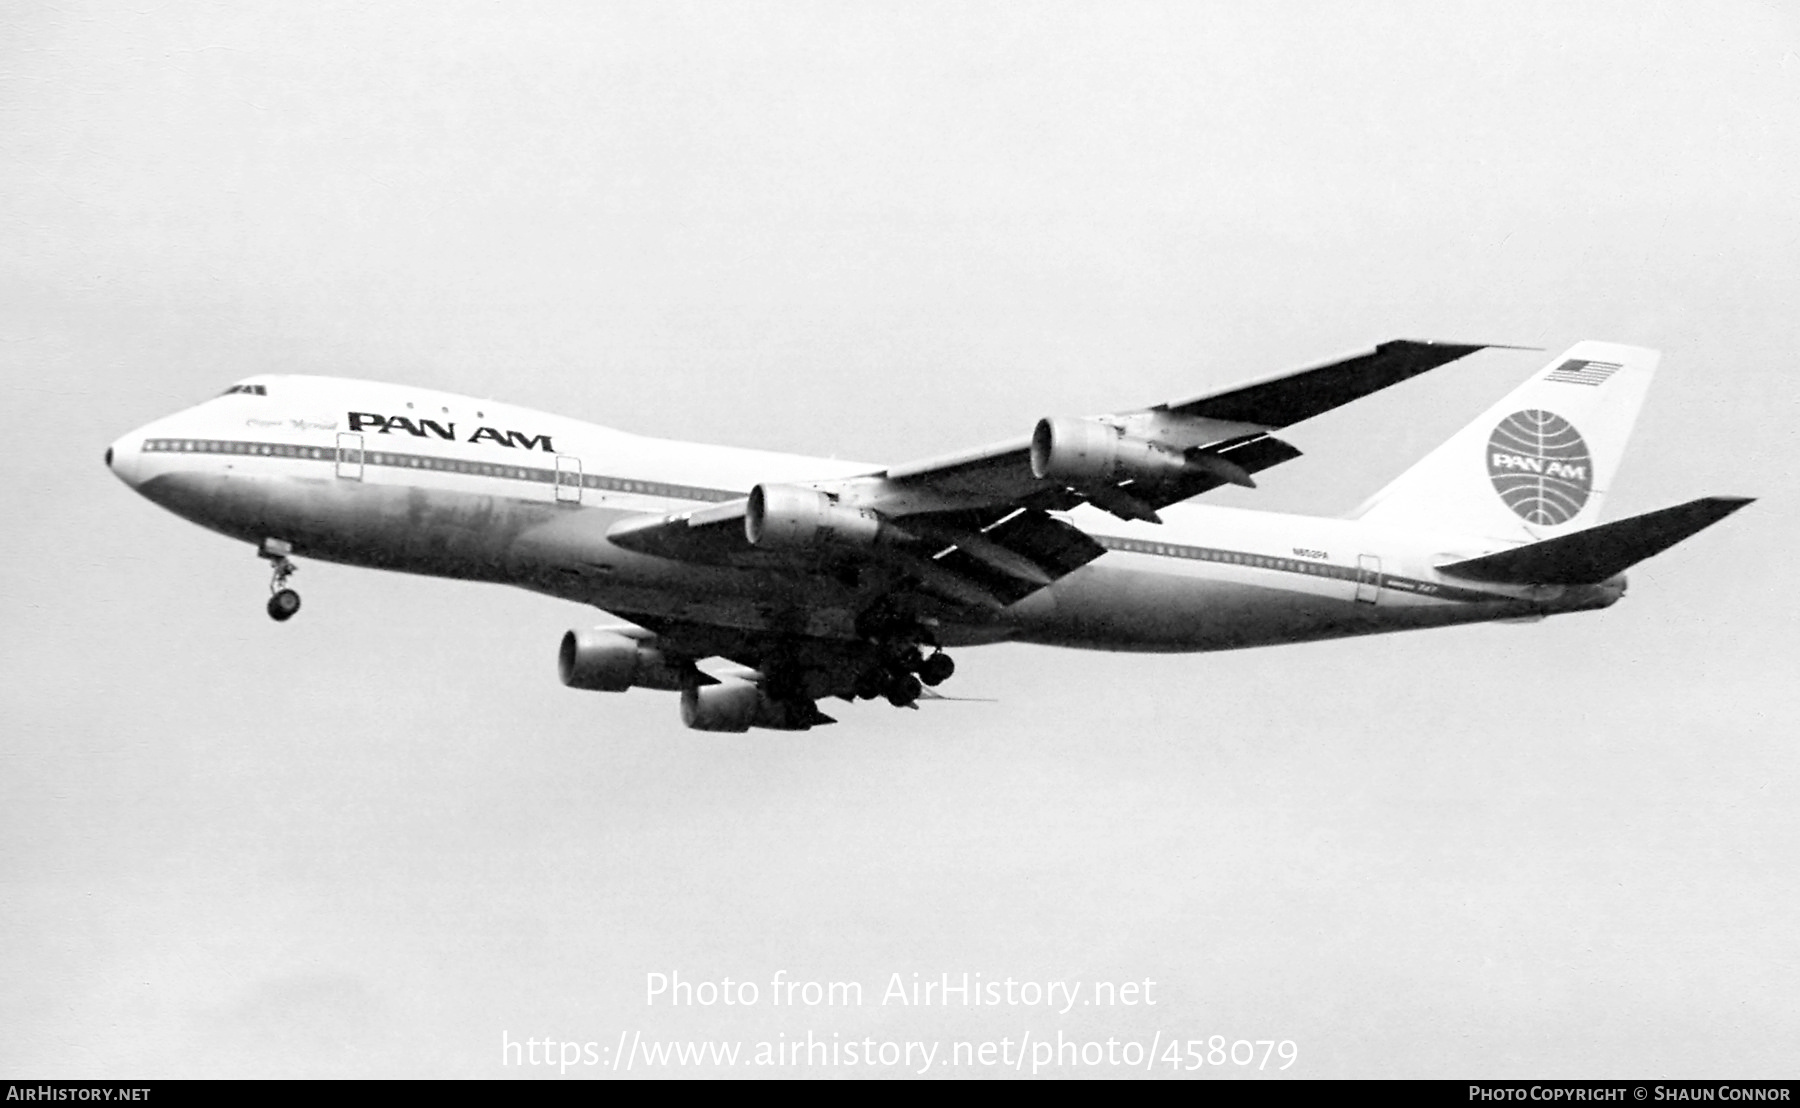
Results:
<point x="1293" y="397"/>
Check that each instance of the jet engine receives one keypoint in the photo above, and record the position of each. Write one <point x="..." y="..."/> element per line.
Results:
<point x="1087" y="452"/>
<point x="606" y="661"/>
<point x="783" y="517"/>
<point x="735" y="705"/>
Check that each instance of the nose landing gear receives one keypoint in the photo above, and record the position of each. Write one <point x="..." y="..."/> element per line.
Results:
<point x="283" y="601"/>
<point x="283" y="605"/>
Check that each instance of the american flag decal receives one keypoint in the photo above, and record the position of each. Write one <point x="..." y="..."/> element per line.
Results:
<point x="1578" y="372"/>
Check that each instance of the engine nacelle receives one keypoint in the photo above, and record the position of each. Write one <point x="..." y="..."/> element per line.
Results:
<point x="1087" y="452"/>
<point x="783" y="517"/>
<point x="606" y="661"/>
<point x="736" y="706"/>
<point x="728" y="706"/>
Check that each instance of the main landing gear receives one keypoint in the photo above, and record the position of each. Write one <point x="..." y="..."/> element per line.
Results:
<point x="901" y="672"/>
<point x="283" y="601"/>
<point x="899" y="669"/>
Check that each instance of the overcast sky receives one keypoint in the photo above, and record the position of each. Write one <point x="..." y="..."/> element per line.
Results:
<point x="374" y="840"/>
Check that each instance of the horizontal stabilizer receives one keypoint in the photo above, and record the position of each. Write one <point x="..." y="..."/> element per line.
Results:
<point x="1591" y="556"/>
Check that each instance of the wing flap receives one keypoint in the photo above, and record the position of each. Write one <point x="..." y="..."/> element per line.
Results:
<point x="981" y="561"/>
<point x="1042" y="543"/>
<point x="1252" y="455"/>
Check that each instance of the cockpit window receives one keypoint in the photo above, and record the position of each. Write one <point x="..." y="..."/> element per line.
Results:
<point x="253" y="390"/>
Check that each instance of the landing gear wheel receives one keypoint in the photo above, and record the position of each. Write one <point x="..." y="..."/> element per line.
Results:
<point x="283" y="601"/>
<point x="903" y="691"/>
<point x="936" y="669"/>
<point x="869" y="684"/>
<point x="283" y="605"/>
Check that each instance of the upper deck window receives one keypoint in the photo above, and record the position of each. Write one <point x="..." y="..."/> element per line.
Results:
<point x="254" y="390"/>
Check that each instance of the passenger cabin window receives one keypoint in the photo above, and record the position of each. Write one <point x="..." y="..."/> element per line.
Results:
<point x="253" y="390"/>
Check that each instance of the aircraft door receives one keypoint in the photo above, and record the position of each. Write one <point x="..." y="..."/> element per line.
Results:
<point x="349" y="456"/>
<point x="1368" y="579"/>
<point x="568" y="479"/>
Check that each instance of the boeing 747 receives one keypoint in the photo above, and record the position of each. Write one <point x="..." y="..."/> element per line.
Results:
<point x="797" y="579"/>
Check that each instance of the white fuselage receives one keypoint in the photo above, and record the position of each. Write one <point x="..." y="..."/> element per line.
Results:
<point x="419" y="481"/>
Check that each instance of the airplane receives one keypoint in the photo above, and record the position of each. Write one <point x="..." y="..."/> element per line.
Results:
<point x="800" y="579"/>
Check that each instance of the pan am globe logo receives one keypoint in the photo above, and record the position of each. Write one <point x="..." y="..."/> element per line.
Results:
<point x="1540" y="467"/>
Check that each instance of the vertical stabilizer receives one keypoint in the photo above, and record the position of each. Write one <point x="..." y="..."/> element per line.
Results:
<point x="1535" y="465"/>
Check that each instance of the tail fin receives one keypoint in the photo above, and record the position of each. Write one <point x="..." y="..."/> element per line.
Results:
<point x="1536" y="464"/>
<point x="1590" y="557"/>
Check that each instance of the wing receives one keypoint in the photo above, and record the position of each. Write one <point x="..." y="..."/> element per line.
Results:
<point x="974" y="528"/>
<point x="1232" y="426"/>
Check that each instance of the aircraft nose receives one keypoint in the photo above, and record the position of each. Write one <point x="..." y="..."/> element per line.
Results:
<point x="122" y="459"/>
